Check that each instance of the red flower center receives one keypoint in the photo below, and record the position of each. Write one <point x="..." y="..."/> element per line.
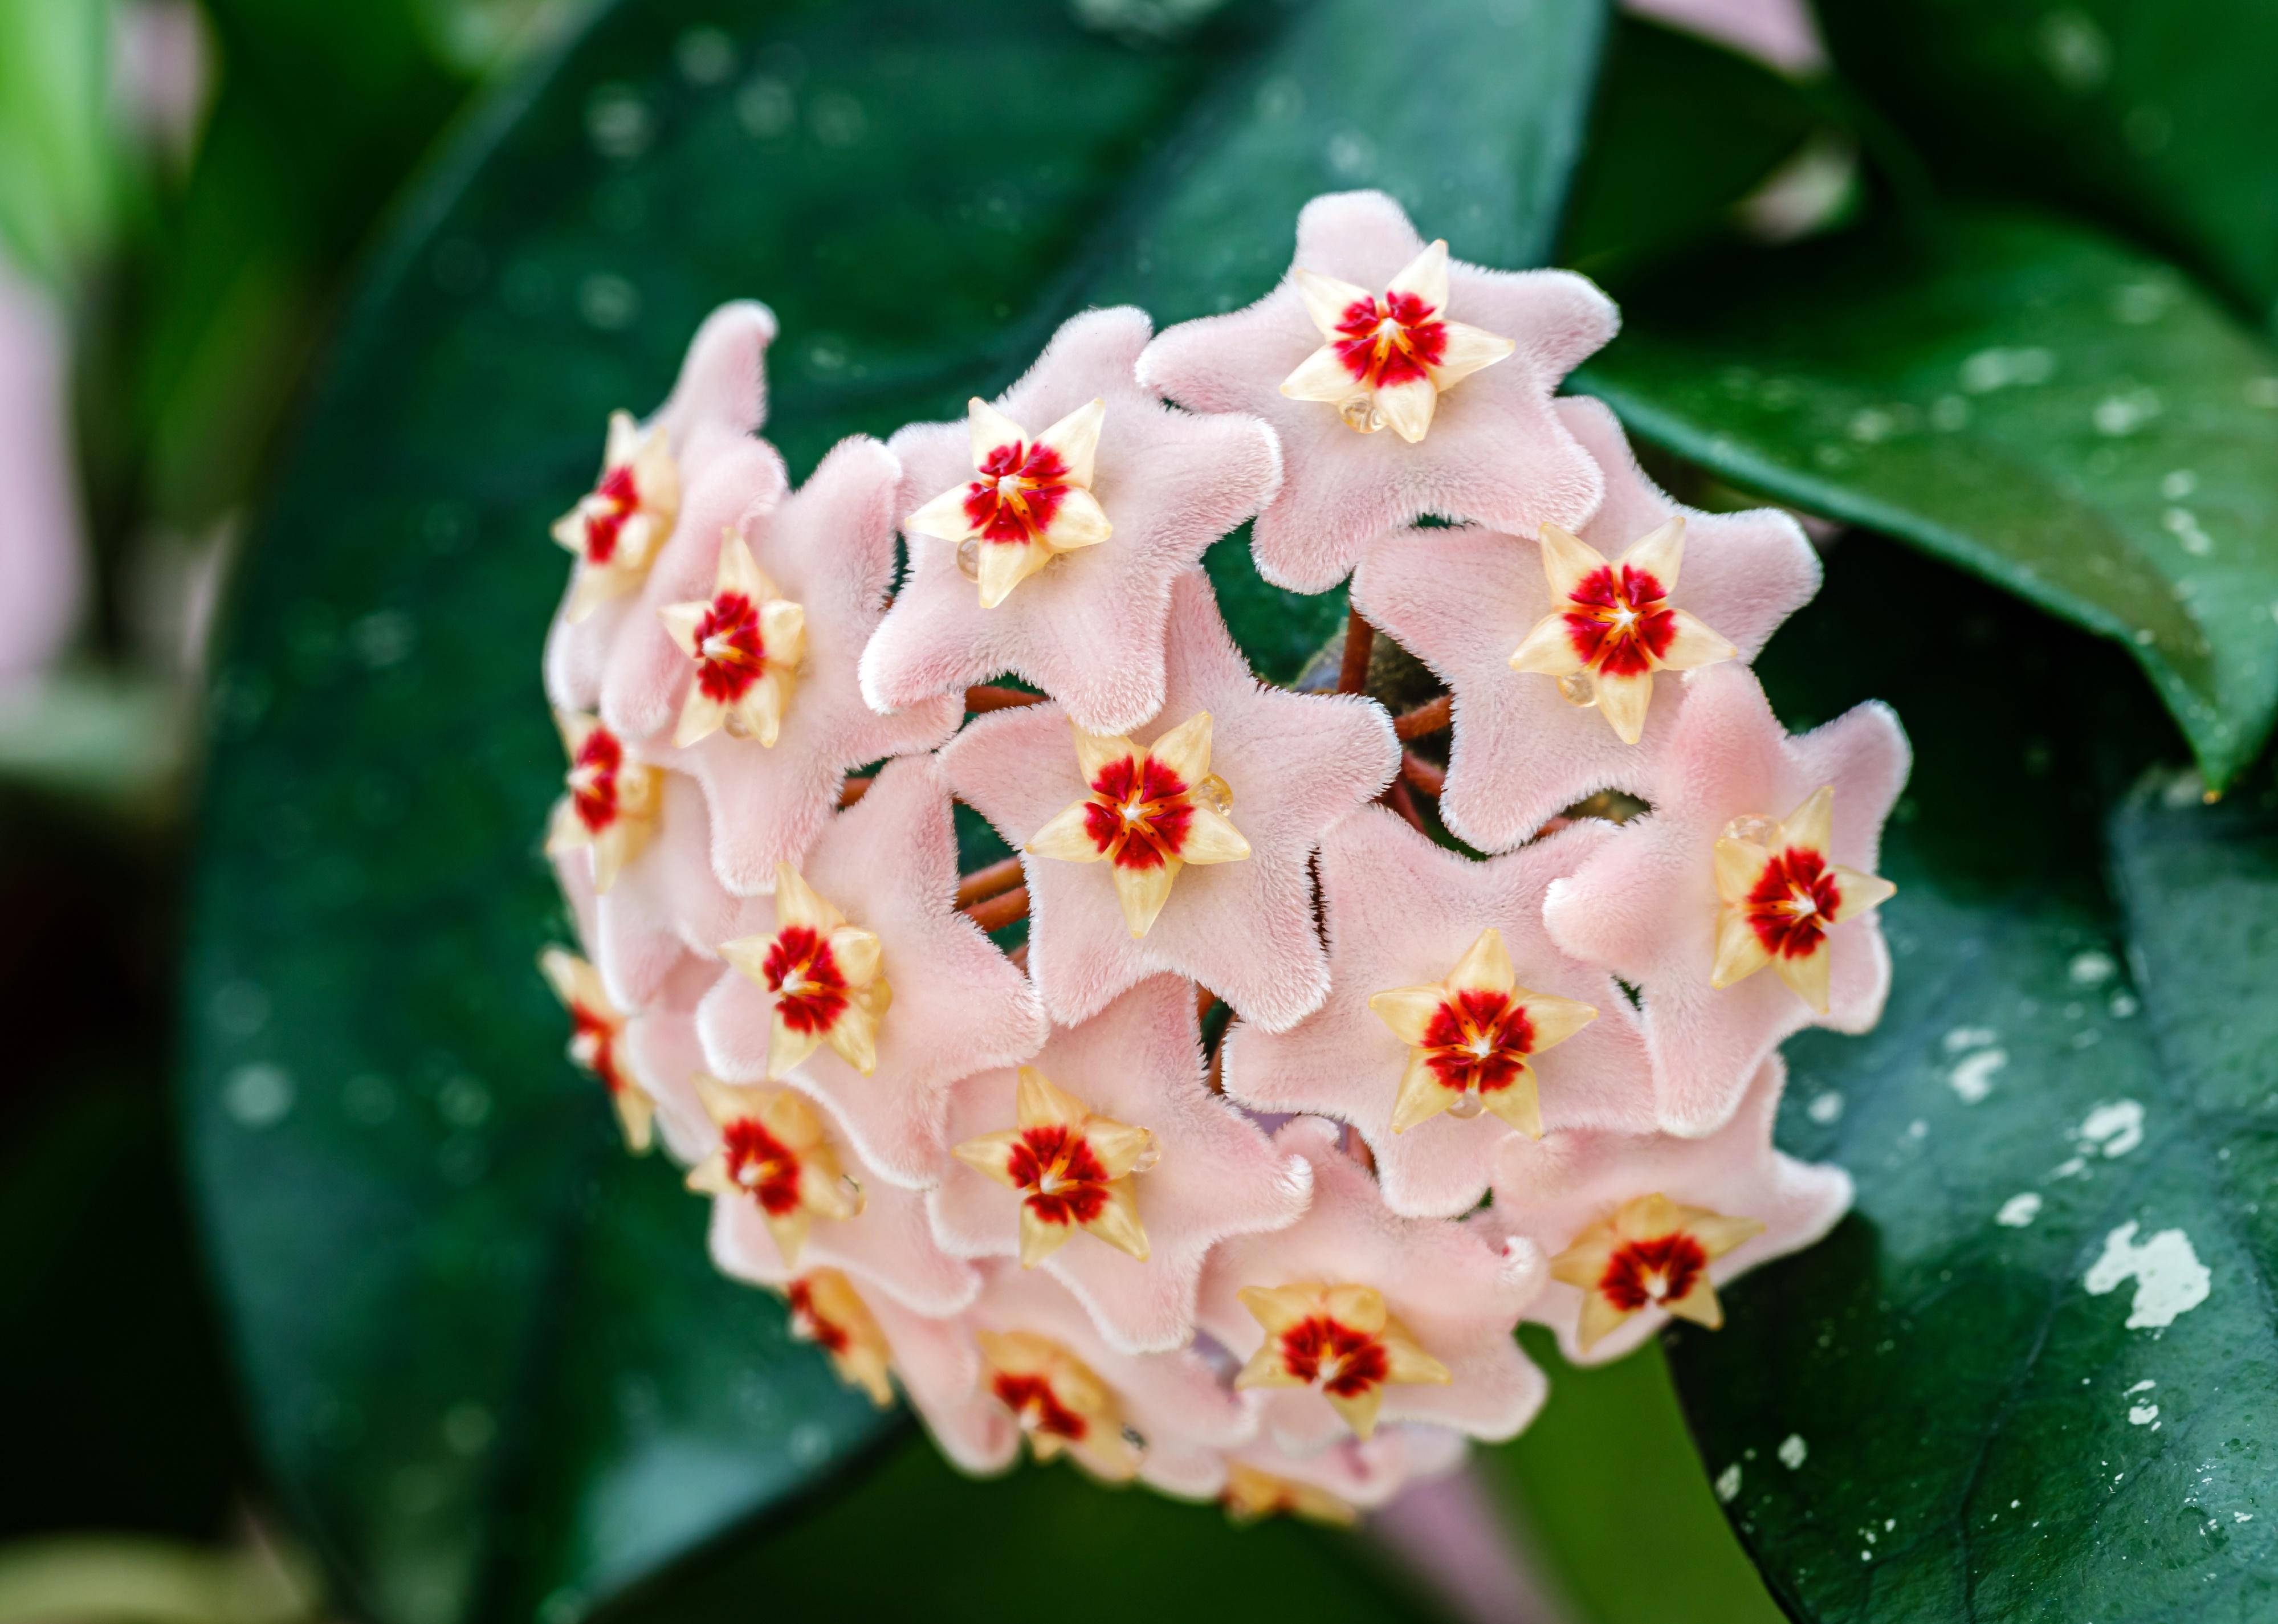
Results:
<point x="804" y="975"/>
<point x="593" y="1045"/>
<point x="1063" y="1181"/>
<point x="1343" y="1361"/>
<point x="1037" y="1408"/>
<point x="1660" y="1270"/>
<point x="1619" y="621"/>
<point x="1017" y="491"/>
<point x="1477" y="1041"/>
<point x="1139" y="812"/>
<point x="729" y="653"/>
<point x="594" y="779"/>
<point x="807" y="1320"/>
<point x="1391" y="340"/>
<point x="1794" y="900"/>
<point x="618" y="496"/>
<point x="762" y="1165"/>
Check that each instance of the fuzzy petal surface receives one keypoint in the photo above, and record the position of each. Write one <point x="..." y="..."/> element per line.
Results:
<point x="1139" y="1062"/>
<point x="1089" y="629"/>
<point x="1461" y="600"/>
<point x="1548" y="1191"/>
<point x="664" y="902"/>
<point x="960" y="1006"/>
<point x="666" y="1055"/>
<point x="1459" y="1294"/>
<point x="1646" y="908"/>
<point x="1400" y="913"/>
<point x="1494" y="452"/>
<point x="1295" y="763"/>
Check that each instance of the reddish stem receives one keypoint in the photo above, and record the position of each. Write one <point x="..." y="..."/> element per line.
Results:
<point x="1428" y="716"/>
<point x="1431" y="779"/>
<point x="1360" y="637"/>
<point x="1000" y="910"/>
<point x="988" y="697"/>
<point x="1398" y="798"/>
<point x="982" y="883"/>
<point x="852" y="790"/>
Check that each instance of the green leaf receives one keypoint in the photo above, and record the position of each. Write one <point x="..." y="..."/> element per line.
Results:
<point x="2017" y="395"/>
<point x="1956" y="1407"/>
<point x="2156" y="113"/>
<point x="485" y="1355"/>
<point x="59" y="172"/>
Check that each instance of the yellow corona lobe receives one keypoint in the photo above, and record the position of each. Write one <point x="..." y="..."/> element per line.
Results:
<point x="773" y="1153"/>
<point x="1029" y="501"/>
<point x="826" y="1310"/>
<point x="614" y="801"/>
<point x="1072" y="1170"/>
<point x="1650" y="1253"/>
<point x="1060" y="1403"/>
<point x="1251" y="1495"/>
<point x="597" y="1031"/>
<point x="617" y="528"/>
<point x="1340" y="1340"/>
<point x="1778" y="895"/>
<point x="747" y="641"/>
<point x="827" y="977"/>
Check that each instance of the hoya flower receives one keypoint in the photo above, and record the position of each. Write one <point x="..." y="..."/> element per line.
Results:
<point x="824" y="975"/>
<point x="648" y="490"/>
<point x="664" y="906"/>
<point x="1138" y="1152"/>
<point x="1452" y="1020"/>
<point x="787" y="1199"/>
<point x="787" y="638"/>
<point x="1463" y="600"/>
<point x="1292" y="765"/>
<point x="1643" y="1227"/>
<point x="1333" y="1483"/>
<point x="1648" y="909"/>
<point x="1782" y="895"/>
<point x="596" y="1039"/>
<point x="666" y="1058"/>
<point x="744" y="641"/>
<point x="612" y="803"/>
<point x="1062" y="576"/>
<point x="886" y="867"/>
<point x="827" y="1311"/>
<point x="1490" y="449"/>
<point x="1386" y="357"/>
<point x="1354" y="1316"/>
<point x="1171" y="1418"/>
<point x="1252" y="1493"/>
<point x="1147" y="813"/>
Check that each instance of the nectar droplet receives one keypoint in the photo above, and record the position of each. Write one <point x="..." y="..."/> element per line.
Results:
<point x="1360" y="414"/>
<point x="1216" y="793"/>
<point x="1579" y="687"/>
<point x="1754" y="827"/>
<point x="1149" y="1158"/>
<point x="968" y="558"/>
<point x="1466" y="1107"/>
<point x="853" y="1195"/>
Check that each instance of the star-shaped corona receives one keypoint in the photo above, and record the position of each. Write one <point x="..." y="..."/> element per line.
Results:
<point x="1386" y="357"/>
<point x="1651" y="1252"/>
<point x="1251" y="1495"/>
<point x="745" y="639"/>
<point x="1339" y="1340"/>
<point x="1061" y="1406"/>
<point x="597" y="1037"/>
<point x="774" y="1154"/>
<point x="824" y="974"/>
<point x="613" y="801"/>
<point x="617" y="528"/>
<point x="1614" y="625"/>
<point x="1779" y="896"/>
<point x="1150" y="811"/>
<point x="1029" y="501"/>
<point x="826" y="1310"/>
<point x="1072" y="1170"/>
<point x="1469" y="1037"/>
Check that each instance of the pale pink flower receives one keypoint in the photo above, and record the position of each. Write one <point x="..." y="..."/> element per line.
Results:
<point x="1463" y="601"/>
<point x="1176" y="1168"/>
<point x="1374" y="1318"/>
<point x="1647" y="907"/>
<point x="1289" y="767"/>
<point x="663" y="903"/>
<point x="1120" y="494"/>
<point x="1403" y="913"/>
<point x="1557" y="1191"/>
<point x="1333" y="1484"/>
<point x="827" y="553"/>
<point x="957" y="1005"/>
<point x="1490" y="449"/>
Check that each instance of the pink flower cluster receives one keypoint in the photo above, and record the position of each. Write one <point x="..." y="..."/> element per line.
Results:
<point x="1455" y="1093"/>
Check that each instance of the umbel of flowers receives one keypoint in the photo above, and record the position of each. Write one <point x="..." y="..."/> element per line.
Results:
<point x="1019" y="1187"/>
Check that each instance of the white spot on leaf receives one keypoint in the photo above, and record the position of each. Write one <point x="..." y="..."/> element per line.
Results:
<point x="2019" y="1210"/>
<point x="2170" y="1280"/>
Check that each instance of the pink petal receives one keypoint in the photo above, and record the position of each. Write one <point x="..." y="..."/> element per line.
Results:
<point x="940" y="1367"/>
<point x="1495" y="452"/>
<point x="1459" y="1298"/>
<point x="888" y="863"/>
<point x="665" y="1055"/>
<point x="665" y="901"/>
<point x="1781" y="32"/>
<point x="41" y="539"/>
<point x="1549" y="1191"/>
<point x="1366" y="1475"/>
<point x="829" y="548"/>
<point x="1089" y="628"/>
<point x="1296" y="763"/>
<point x="887" y="1244"/>
<point x="1461" y="600"/>
<point x="1400" y="911"/>
<point x="1645" y="909"/>
<point x="1174" y="1400"/>
<point x="723" y="387"/>
<point x="1139" y="1062"/>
